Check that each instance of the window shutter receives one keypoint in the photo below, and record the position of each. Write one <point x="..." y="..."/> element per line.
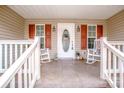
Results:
<point x="83" y="36"/>
<point x="48" y="36"/>
<point x="99" y="31"/>
<point x="31" y="31"/>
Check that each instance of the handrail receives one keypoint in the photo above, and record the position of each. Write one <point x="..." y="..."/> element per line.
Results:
<point x="113" y="49"/>
<point x="16" y="41"/>
<point x="11" y="72"/>
<point x="116" y="42"/>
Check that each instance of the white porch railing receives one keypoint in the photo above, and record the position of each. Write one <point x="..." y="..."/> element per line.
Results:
<point x="10" y="50"/>
<point x="112" y="62"/>
<point x="26" y="69"/>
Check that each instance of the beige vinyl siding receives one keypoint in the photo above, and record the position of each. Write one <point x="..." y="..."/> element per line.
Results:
<point x="116" y="27"/>
<point x="11" y="27"/>
<point x="53" y="51"/>
<point x="11" y="24"/>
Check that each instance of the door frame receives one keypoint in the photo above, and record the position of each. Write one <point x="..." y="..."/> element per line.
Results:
<point x="59" y="41"/>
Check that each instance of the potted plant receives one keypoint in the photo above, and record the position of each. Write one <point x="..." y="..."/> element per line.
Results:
<point x="77" y="55"/>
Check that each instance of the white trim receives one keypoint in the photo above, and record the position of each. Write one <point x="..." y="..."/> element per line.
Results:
<point x="41" y="36"/>
<point x="16" y="41"/>
<point x="88" y="30"/>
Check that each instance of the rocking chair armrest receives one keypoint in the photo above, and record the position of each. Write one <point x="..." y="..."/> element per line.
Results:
<point x="90" y="50"/>
<point x="42" y="49"/>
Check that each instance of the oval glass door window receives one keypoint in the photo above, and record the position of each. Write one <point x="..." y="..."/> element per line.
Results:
<point x="65" y="40"/>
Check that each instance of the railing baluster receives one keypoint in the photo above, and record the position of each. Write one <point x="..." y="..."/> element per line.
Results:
<point x="34" y="63"/>
<point x="20" y="78"/>
<point x="115" y="72"/>
<point x="12" y="83"/>
<point x="119" y="47"/>
<point x="123" y="48"/>
<point x="25" y="71"/>
<point x="20" y="71"/>
<point x="109" y="64"/>
<point x="5" y="57"/>
<point x="29" y="70"/>
<point x="32" y="66"/>
<point x="1" y="59"/>
<point x="11" y="61"/>
<point x="11" y="54"/>
<point x="16" y="50"/>
<point x="25" y="74"/>
<point x="121" y="71"/>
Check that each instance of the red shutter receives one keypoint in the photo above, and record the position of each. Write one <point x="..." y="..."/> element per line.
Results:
<point x="83" y="36"/>
<point x="99" y="31"/>
<point x="48" y="36"/>
<point x="31" y="31"/>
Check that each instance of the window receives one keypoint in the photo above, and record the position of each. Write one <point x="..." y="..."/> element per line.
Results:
<point x="40" y="31"/>
<point x="91" y="36"/>
<point x="66" y="40"/>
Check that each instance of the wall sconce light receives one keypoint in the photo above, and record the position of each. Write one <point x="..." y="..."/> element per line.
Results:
<point x="78" y="28"/>
<point x="54" y="28"/>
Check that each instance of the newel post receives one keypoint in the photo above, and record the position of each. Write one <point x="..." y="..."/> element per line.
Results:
<point x="103" y="58"/>
<point x="37" y="58"/>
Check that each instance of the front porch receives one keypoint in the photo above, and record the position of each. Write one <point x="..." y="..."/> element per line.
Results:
<point x="68" y="73"/>
<point x="23" y="38"/>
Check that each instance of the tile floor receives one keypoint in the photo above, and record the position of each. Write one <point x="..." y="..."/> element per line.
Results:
<point x="69" y="73"/>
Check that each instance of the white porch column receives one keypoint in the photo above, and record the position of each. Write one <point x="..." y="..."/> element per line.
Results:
<point x="103" y="58"/>
<point x="37" y="58"/>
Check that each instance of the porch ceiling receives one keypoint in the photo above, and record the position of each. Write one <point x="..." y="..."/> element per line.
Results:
<point x="67" y="11"/>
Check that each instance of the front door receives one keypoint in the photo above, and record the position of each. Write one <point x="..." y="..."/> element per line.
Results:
<point x="66" y="40"/>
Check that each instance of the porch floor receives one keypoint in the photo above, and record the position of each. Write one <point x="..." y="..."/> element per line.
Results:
<point x="70" y="74"/>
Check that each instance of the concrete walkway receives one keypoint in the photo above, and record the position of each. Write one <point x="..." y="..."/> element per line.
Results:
<point x="70" y="74"/>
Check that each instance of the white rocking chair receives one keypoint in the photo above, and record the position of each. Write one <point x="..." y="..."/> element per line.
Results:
<point x="45" y="57"/>
<point x="93" y="55"/>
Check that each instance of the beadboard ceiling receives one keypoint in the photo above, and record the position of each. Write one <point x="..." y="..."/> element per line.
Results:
<point x="66" y="11"/>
